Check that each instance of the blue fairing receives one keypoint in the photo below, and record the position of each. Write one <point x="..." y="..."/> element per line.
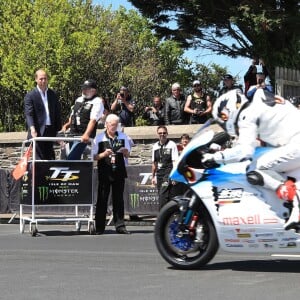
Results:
<point x="224" y="173"/>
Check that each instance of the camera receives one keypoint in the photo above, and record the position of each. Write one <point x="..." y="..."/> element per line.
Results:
<point x="122" y="95"/>
<point x="255" y="61"/>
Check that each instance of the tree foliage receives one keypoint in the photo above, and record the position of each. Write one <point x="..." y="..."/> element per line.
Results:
<point x="74" y="40"/>
<point x="267" y="29"/>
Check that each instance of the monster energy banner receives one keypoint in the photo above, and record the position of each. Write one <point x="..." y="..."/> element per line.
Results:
<point x="58" y="182"/>
<point x="141" y="195"/>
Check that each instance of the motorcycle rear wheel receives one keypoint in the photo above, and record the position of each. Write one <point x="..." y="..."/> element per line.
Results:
<point x="183" y="252"/>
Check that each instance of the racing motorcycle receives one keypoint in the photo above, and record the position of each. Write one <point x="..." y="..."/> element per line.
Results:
<point x="220" y="209"/>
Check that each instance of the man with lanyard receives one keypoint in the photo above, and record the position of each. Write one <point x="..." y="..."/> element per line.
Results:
<point x="86" y="112"/>
<point x="164" y="154"/>
<point x="110" y="149"/>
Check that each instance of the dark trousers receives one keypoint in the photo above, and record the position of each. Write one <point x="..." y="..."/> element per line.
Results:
<point x="116" y="187"/>
<point x="167" y="190"/>
<point x="44" y="150"/>
<point x="162" y="189"/>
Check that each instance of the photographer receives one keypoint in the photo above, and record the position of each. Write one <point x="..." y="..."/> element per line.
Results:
<point x="260" y="84"/>
<point x="154" y="114"/>
<point x="198" y="105"/>
<point x="250" y="76"/>
<point x="123" y="106"/>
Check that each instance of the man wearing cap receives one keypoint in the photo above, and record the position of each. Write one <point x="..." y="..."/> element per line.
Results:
<point x="123" y="106"/>
<point x="198" y="105"/>
<point x="228" y="85"/>
<point x="85" y="113"/>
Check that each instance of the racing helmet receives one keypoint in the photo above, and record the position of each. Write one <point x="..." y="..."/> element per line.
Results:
<point x="226" y="109"/>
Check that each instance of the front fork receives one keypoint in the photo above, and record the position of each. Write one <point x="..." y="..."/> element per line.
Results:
<point x="187" y="208"/>
<point x="188" y="218"/>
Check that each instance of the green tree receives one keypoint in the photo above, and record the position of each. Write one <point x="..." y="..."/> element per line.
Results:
<point x="266" y="29"/>
<point x="74" y="40"/>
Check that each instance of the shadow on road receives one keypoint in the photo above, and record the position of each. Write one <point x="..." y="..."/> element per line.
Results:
<point x="83" y="232"/>
<point x="272" y="265"/>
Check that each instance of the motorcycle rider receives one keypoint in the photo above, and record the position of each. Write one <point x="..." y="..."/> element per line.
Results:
<point x="273" y="120"/>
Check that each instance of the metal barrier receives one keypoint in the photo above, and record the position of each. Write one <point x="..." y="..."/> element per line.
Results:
<point x="56" y="183"/>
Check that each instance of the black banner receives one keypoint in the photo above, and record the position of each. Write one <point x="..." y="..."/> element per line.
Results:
<point x="58" y="182"/>
<point x="140" y="195"/>
<point x="56" y="185"/>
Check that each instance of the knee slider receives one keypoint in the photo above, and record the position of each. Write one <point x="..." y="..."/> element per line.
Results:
<point x="255" y="178"/>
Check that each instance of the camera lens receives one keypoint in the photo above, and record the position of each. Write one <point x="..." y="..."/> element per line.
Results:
<point x="122" y="95"/>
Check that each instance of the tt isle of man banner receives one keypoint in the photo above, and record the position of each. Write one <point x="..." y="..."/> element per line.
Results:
<point x="140" y="195"/>
<point x="58" y="182"/>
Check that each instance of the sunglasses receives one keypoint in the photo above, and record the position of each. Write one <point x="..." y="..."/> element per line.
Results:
<point x="162" y="133"/>
<point x="195" y="85"/>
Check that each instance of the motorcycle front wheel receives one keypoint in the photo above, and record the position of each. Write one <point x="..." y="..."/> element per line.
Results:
<point x="178" y="245"/>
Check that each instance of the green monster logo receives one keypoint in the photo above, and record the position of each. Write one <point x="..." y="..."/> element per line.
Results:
<point x="134" y="200"/>
<point x="43" y="192"/>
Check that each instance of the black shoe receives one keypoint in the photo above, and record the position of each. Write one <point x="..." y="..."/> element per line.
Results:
<point x="99" y="232"/>
<point x="134" y="218"/>
<point x="122" y="230"/>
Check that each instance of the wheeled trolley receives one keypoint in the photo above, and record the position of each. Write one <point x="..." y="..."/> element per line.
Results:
<point x="60" y="185"/>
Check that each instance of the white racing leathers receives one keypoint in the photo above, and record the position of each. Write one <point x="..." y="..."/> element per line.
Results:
<point x="275" y="121"/>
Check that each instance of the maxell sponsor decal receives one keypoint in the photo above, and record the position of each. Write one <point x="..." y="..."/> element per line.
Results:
<point x="248" y="220"/>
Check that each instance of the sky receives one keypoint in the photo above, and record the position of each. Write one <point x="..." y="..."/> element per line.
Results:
<point x="236" y="67"/>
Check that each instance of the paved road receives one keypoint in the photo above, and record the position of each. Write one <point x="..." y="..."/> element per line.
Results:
<point x="61" y="264"/>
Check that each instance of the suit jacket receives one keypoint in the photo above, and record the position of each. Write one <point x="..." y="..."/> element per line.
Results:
<point x="35" y="112"/>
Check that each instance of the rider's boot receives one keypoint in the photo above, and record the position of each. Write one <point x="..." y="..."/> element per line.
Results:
<point x="288" y="192"/>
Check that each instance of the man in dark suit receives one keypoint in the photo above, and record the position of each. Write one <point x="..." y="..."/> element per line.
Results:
<point x="43" y="115"/>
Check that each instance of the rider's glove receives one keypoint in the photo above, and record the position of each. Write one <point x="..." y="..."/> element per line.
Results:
<point x="215" y="147"/>
<point x="207" y="157"/>
<point x="210" y="159"/>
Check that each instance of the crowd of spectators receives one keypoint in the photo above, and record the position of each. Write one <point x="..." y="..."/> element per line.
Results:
<point x="112" y="146"/>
